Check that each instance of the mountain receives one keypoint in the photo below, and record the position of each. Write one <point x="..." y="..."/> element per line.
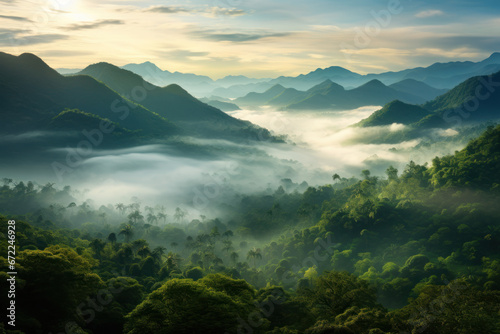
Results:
<point x="395" y="112"/>
<point x="32" y="94"/>
<point x="444" y="75"/>
<point x="475" y="100"/>
<point x="438" y="75"/>
<point x="418" y="88"/>
<point x="478" y="97"/>
<point x="232" y="80"/>
<point x="199" y="85"/>
<point x="259" y="99"/>
<point x="172" y="102"/>
<point x="334" y="73"/>
<point x="476" y="166"/>
<point x="241" y="90"/>
<point x="289" y="95"/>
<point x="332" y="96"/>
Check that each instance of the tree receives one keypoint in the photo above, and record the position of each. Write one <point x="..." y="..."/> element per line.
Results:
<point x="210" y="309"/>
<point x="455" y="308"/>
<point x="135" y="216"/>
<point x="334" y="292"/>
<point x="162" y="216"/>
<point x="60" y="280"/>
<point x="254" y="254"/>
<point x="335" y="177"/>
<point x="365" y="173"/>
<point x="158" y="252"/>
<point x="392" y="173"/>
<point x="151" y="218"/>
<point x="234" y="257"/>
<point x="127" y="232"/>
<point x="144" y="252"/>
<point x="97" y="246"/>
<point x="112" y="237"/>
<point x="179" y="214"/>
<point x="120" y="207"/>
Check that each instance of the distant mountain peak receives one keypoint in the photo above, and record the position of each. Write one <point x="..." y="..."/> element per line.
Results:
<point x="145" y="66"/>
<point x="495" y="56"/>
<point x="101" y="64"/>
<point x="276" y="87"/>
<point x="325" y="86"/>
<point x="375" y="83"/>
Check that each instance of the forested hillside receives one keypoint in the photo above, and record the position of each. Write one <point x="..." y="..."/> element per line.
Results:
<point x="415" y="252"/>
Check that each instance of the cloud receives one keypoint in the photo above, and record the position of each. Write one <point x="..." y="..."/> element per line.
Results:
<point x="219" y="11"/>
<point x="206" y="11"/>
<point x="429" y="13"/>
<point x="93" y="25"/>
<point x="64" y="53"/>
<point x="15" y="18"/>
<point x="13" y="39"/>
<point x="182" y="53"/>
<point x="167" y="9"/>
<point x="235" y="37"/>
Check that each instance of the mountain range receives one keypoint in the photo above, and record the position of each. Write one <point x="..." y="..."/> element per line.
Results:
<point x="331" y="96"/>
<point x="32" y="94"/>
<point x="34" y="97"/>
<point x="475" y="100"/>
<point x="438" y="75"/>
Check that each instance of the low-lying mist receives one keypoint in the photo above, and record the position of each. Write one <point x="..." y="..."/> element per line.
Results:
<point x="211" y="174"/>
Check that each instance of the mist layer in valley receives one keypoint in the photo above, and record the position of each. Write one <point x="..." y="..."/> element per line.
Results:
<point x="205" y="176"/>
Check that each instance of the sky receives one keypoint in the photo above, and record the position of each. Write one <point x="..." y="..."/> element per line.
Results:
<point x="256" y="38"/>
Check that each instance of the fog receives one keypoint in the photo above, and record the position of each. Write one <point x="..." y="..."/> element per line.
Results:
<point x="326" y="141"/>
<point x="212" y="174"/>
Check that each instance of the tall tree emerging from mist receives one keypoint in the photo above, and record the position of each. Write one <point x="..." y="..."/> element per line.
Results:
<point x="127" y="232"/>
<point x="254" y="254"/>
<point x="179" y="214"/>
<point x="121" y="208"/>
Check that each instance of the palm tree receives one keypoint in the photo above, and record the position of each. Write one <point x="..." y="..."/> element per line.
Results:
<point x="179" y="214"/>
<point x="234" y="257"/>
<point x="135" y="216"/>
<point x="254" y="254"/>
<point x="163" y="217"/>
<point x="151" y="218"/>
<point x="120" y="207"/>
<point x="335" y="177"/>
<point x="158" y="252"/>
<point x="127" y="232"/>
<point x="228" y="245"/>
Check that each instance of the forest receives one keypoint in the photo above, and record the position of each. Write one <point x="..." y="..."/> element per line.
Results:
<point x="416" y="251"/>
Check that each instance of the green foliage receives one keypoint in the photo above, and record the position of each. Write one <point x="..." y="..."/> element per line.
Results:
<point x="334" y="292"/>
<point x="184" y="306"/>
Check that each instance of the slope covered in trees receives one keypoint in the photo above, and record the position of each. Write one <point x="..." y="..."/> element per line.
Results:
<point x="475" y="100"/>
